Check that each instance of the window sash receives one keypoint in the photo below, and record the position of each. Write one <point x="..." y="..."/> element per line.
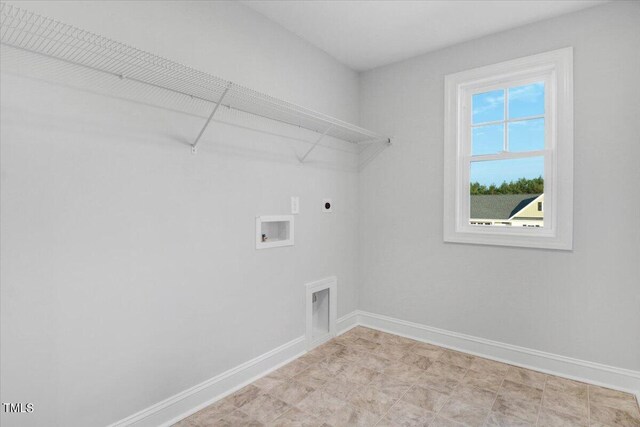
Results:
<point x="465" y="158"/>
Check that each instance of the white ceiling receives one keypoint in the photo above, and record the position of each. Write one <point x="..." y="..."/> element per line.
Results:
<point x="368" y="34"/>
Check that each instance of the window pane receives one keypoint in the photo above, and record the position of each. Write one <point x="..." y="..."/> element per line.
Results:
<point x="488" y="107"/>
<point x="525" y="101"/>
<point x="487" y="139"/>
<point x="506" y="193"/>
<point x="526" y="135"/>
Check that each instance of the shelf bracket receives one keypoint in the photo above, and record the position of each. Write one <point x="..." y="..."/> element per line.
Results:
<point x="194" y="146"/>
<point x="301" y="159"/>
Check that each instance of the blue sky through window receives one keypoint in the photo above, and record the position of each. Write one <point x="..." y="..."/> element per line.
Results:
<point x="487" y="139"/>
<point x="488" y="107"/>
<point x="526" y="101"/>
<point x="522" y="135"/>
<point x="526" y="135"/>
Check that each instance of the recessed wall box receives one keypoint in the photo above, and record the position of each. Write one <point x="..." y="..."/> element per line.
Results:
<point x="321" y="302"/>
<point x="273" y="231"/>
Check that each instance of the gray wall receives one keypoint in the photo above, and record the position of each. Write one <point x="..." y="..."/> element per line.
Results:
<point x="129" y="268"/>
<point x="584" y="303"/>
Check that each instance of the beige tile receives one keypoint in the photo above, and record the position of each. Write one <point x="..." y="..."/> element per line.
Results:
<point x="350" y="354"/>
<point x="523" y="409"/>
<point x="566" y="385"/>
<point x="386" y="422"/>
<point x="357" y="374"/>
<point x="526" y="376"/>
<point x="265" y="408"/>
<point x="443" y="422"/>
<point x="312" y="357"/>
<point x="358" y="332"/>
<point x="372" y="361"/>
<point x="550" y="418"/>
<point x="205" y="417"/>
<point x="419" y="361"/>
<point x="456" y="358"/>
<point x="342" y="339"/>
<point x="186" y="422"/>
<point x="425" y="398"/>
<point x="613" y="416"/>
<point x="359" y="377"/>
<point x="473" y="396"/>
<point x="438" y="382"/>
<point x="352" y="334"/>
<point x="290" y="369"/>
<point x="371" y="399"/>
<point x="427" y="350"/>
<point x="601" y="396"/>
<point x="500" y="420"/>
<point x="398" y="341"/>
<point x="403" y="372"/>
<point x="487" y="366"/>
<point x="389" y="385"/>
<point x="218" y="409"/>
<point x="314" y="377"/>
<point x="373" y="335"/>
<point x="267" y="382"/>
<point x="391" y="351"/>
<point x="296" y="418"/>
<point x="333" y="364"/>
<point x="235" y="419"/>
<point x="329" y="348"/>
<point x="244" y="395"/>
<point x="573" y="402"/>
<point x="321" y="404"/>
<point x="520" y="391"/>
<point x="348" y="415"/>
<point x="448" y="370"/>
<point x="364" y="344"/>
<point x="464" y="413"/>
<point x="406" y="414"/>
<point x="291" y="392"/>
<point x="489" y="381"/>
<point x="339" y="387"/>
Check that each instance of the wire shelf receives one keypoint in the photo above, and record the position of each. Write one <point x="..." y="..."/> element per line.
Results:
<point x="31" y="32"/>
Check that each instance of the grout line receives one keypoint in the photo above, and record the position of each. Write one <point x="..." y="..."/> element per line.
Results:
<point x="589" y="404"/>
<point x="544" y="388"/>
<point x="486" y="421"/>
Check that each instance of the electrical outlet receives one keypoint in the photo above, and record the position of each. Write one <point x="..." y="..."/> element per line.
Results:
<point x="295" y="205"/>
<point x="327" y="205"/>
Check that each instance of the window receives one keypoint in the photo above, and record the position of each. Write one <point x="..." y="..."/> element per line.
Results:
<point x="509" y="151"/>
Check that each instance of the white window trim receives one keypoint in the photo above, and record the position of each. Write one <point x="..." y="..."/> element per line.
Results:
<point x="557" y="233"/>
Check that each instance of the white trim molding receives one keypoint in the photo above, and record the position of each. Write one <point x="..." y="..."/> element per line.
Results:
<point x="626" y="380"/>
<point x="285" y="223"/>
<point x="555" y="70"/>
<point x="190" y="401"/>
<point x="330" y="284"/>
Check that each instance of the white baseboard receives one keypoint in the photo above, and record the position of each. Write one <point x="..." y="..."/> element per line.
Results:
<point x="190" y="401"/>
<point x="347" y="322"/>
<point x="580" y="370"/>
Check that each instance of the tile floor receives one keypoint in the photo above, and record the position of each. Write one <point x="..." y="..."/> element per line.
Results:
<point x="369" y="378"/>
